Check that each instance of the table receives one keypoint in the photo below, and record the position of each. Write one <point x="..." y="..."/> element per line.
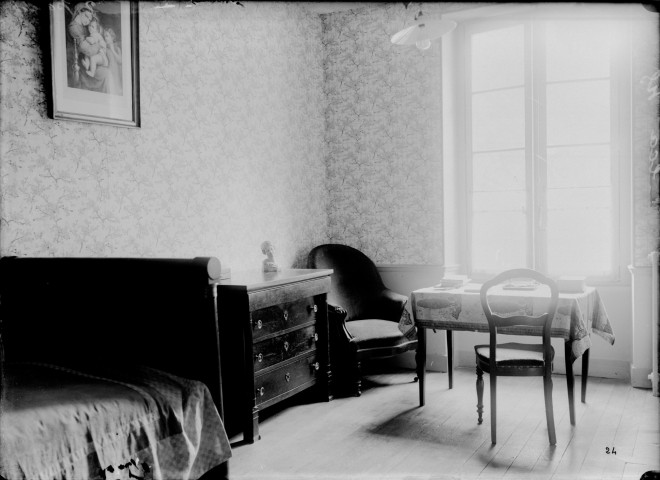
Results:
<point x="578" y="314"/>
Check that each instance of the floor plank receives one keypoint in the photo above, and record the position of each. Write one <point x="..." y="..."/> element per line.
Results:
<point x="384" y="434"/>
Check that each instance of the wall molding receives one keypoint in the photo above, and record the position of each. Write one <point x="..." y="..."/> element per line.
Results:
<point x="641" y="365"/>
<point x="410" y="268"/>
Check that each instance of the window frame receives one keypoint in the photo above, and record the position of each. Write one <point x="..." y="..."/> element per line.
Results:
<point x="457" y="145"/>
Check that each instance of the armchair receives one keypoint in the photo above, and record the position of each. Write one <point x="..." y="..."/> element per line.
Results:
<point x="367" y="320"/>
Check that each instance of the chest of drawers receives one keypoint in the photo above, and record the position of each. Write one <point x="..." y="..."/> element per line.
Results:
<point x="274" y="341"/>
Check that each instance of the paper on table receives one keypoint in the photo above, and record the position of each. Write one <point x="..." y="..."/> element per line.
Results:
<point x="472" y="288"/>
<point x="521" y="285"/>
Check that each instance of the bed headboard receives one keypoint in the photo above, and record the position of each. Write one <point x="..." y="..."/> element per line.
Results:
<point x="157" y="312"/>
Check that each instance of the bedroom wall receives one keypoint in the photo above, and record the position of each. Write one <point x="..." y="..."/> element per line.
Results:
<point x="231" y="150"/>
<point x="646" y="217"/>
<point x="394" y="103"/>
<point x="384" y="137"/>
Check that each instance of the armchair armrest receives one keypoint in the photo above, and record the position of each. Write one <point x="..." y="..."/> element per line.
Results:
<point x="337" y="325"/>
<point x="390" y="305"/>
<point x="336" y="313"/>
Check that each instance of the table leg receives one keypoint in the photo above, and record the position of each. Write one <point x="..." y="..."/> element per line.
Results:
<point x="420" y="359"/>
<point x="585" y="374"/>
<point x="450" y="357"/>
<point x="570" y="381"/>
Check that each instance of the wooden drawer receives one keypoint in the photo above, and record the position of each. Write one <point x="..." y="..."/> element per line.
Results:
<point x="273" y="336"/>
<point x="272" y="320"/>
<point x="282" y="380"/>
<point x="267" y="297"/>
<point x="277" y="349"/>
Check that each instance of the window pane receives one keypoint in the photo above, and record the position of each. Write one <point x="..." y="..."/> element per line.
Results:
<point x="498" y="171"/>
<point x="578" y="113"/>
<point x="512" y="200"/>
<point x="571" y="130"/>
<point x="578" y="49"/>
<point x="498" y="241"/>
<point x="579" y="198"/>
<point x="498" y="58"/>
<point x="579" y="166"/>
<point x="498" y="120"/>
<point x="499" y="230"/>
<point x="579" y="241"/>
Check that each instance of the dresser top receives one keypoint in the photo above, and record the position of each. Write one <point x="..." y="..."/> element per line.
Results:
<point x="256" y="279"/>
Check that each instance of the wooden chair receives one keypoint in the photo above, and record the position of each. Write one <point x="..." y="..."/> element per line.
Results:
<point x="363" y="314"/>
<point x="516" y="359"/>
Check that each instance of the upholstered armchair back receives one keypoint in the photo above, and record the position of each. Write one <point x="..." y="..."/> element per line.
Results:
<point x="356" y="283"/>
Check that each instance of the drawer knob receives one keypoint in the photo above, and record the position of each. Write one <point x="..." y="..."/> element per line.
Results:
<point x="286" y="346"/>
<point x="313" y="308"/>
<point x="315" y="366"/>
<point x="259" y="324"/>
<point x="261" y="391"/>
<point x="315" y="337"/>
<point x="260" y="357"/>
<point x="286" y="315"/>
<point x="287" y="376"/>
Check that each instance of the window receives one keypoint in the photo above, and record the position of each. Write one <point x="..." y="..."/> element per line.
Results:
<point x="544" y="129"/>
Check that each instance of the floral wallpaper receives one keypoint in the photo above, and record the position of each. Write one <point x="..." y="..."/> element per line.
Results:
<point x="383" y="137"/>
<point x="646" y="217"/>
<point x="258" y="122"/>
<point x="231" y="151"/>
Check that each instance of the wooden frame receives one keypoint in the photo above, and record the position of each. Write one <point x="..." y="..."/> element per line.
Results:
<point x="95" y="77"/>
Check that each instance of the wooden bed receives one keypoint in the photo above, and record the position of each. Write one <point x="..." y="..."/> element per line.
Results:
<point x="110" y="369"/>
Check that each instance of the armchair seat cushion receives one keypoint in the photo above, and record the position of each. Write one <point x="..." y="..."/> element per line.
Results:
<point x="374" y="333"/>
<point x="513" y="354"/>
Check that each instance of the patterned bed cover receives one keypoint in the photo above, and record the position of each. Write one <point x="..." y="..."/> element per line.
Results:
<point x="106" y="422"/>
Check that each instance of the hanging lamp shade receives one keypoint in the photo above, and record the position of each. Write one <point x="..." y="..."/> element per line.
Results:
<point x="423" y="32"/>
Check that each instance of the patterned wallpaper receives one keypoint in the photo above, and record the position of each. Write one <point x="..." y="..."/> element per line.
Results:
<point x="384" y="137"/>
<point x="230" y="153"/>
<point x="290" y="128"/>
<point x="646" y="220"/>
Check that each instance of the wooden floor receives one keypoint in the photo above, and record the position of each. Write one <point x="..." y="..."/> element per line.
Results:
<point x="384" y="434"/>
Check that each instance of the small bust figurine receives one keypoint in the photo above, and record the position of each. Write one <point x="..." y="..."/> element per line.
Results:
<point x="269" y="264"/>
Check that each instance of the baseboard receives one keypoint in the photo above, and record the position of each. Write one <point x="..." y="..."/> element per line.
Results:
<point x="434" y="362"/>
<point x="639" y="377"/>
<point x="602" y="368"/>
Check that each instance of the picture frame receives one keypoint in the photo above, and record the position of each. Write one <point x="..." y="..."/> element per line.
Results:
<point x="94" y="69"/>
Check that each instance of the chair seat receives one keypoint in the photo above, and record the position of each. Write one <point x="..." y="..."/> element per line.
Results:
<point x="514" y="354"/>
<point x="375" y="333"/>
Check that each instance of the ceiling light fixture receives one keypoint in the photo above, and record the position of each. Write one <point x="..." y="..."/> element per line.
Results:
<point x="423" y="32"/>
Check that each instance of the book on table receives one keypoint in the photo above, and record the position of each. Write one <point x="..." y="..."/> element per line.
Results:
<point x="452" y="281"/>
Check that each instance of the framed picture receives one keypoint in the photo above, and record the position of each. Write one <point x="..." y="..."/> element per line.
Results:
<point x="94" y="62"/>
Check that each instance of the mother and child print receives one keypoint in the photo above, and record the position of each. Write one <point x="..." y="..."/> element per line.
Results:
<point x="94" y="58"/>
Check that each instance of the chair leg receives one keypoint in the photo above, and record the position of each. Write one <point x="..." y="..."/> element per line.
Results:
<point x="585" y="374"/>
<point x="480" y="395"/>
<point x="570" y="382"/>
<point x="420" y="359"/>
<point x="493" y="408"/>
<point x="357" y="379"/>
<point x="549" y="414"/>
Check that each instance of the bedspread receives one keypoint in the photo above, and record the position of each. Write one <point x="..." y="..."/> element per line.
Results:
<point x="105" y="422"/>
